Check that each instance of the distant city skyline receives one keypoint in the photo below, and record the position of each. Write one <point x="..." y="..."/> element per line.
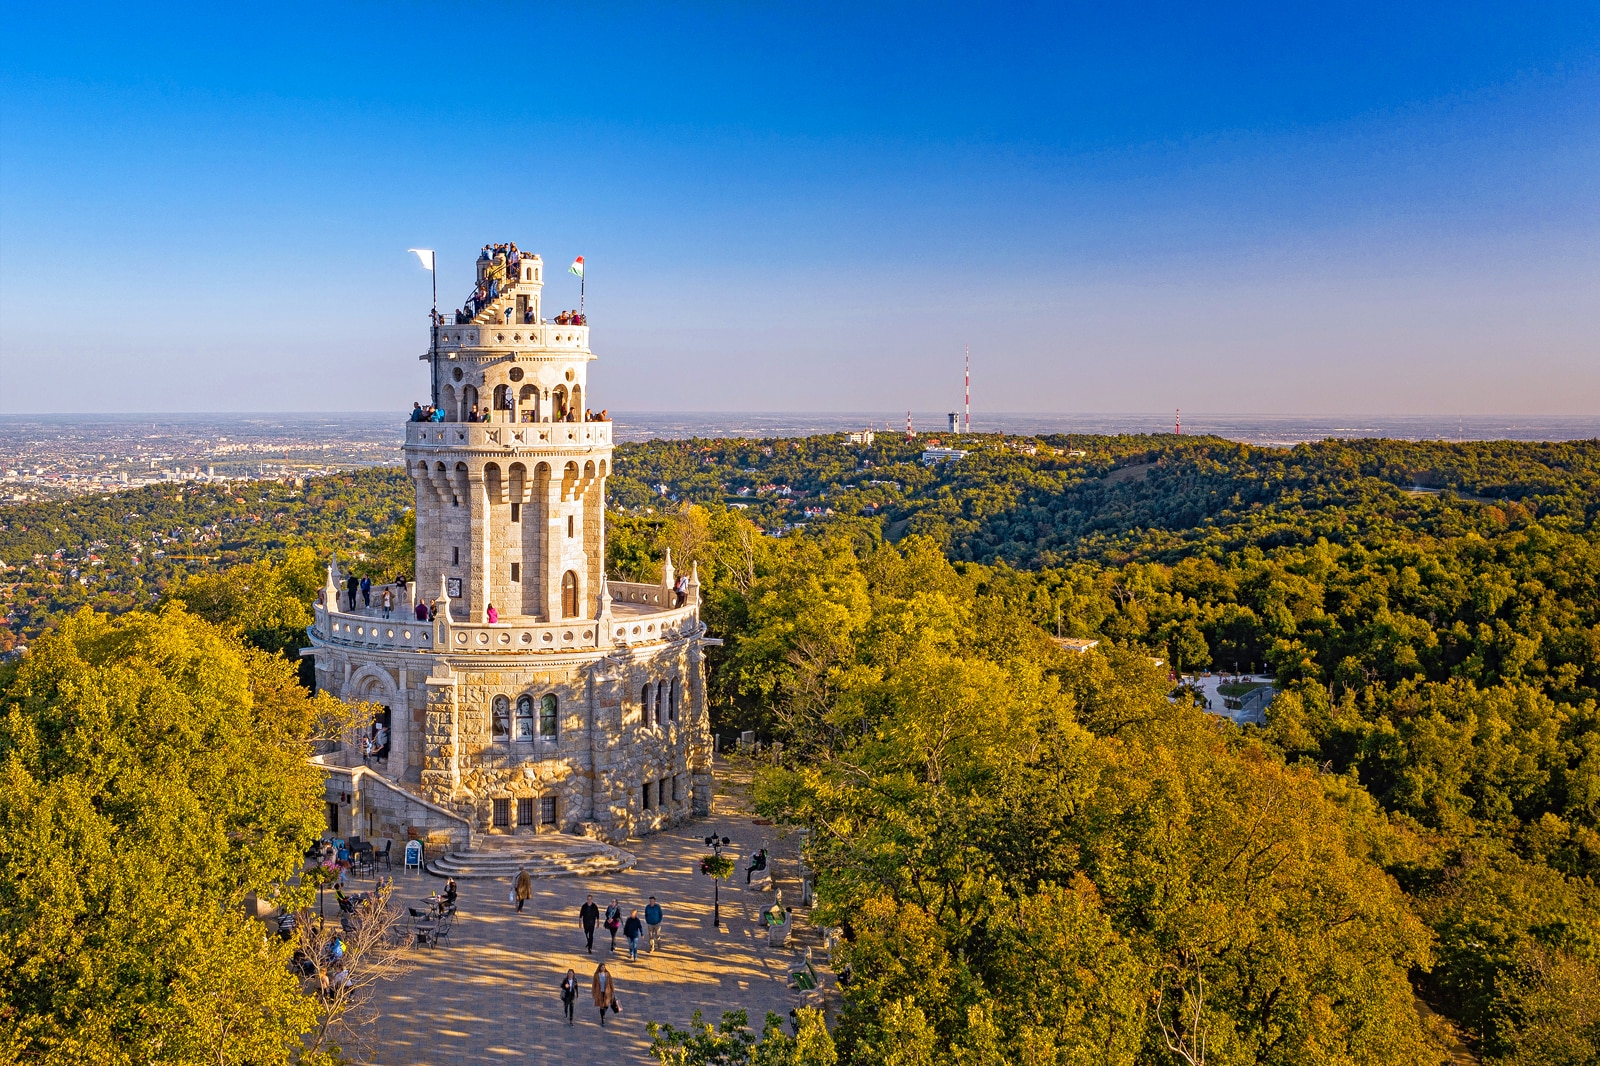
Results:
<point x="1352" y="212"/>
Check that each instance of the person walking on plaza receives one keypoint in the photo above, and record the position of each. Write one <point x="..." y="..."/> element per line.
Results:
<point x="633" y="929"/>
<point x="388" y="602"/>
<point x="569" y="994"/>
<point x="652" y="918"/>
<point x="352" y="585"/>
<point x="523" y="890"/>
<point x="604" y="990"/>
<point x="366" y="592"/>
<point x="614" y="921"/>
<point x="588" y="917"/>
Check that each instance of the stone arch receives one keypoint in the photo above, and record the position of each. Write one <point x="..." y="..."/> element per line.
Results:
<point x="558" y="404"/>
<point x="576" y="414"/>
<point x="449" y="402"/>
<point x="569" y="480"/>
<point x="661" y="702"/>
<point x="493" y="483"/>
<point x="469" y="400"/>
<point x="500" y="394"/>
<point x="528" y="403"/>
<point x="517" y="479"/>
<point x="369" y="681"/>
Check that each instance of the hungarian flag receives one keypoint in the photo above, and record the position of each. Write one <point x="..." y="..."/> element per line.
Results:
<point x="576" y="267"/>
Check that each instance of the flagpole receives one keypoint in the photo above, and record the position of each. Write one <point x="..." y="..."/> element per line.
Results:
<point x="435" y="272"/>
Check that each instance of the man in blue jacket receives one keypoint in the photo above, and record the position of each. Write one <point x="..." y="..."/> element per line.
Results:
<point x="652" y="918"/>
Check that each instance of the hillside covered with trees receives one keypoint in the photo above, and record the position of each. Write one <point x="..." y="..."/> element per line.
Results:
<point x="1042" y="856"/>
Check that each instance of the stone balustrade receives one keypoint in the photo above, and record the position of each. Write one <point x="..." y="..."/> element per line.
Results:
<point x="546" y="335"/>
<point x="338" y="627"/>
<point x="646" y="622"/>
<point x="499" y="435"/>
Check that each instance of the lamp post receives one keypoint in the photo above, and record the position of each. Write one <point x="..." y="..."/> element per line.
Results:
<point x="716" y="844"/>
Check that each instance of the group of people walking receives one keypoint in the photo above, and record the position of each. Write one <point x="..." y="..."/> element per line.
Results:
<point x="635" y="928"/>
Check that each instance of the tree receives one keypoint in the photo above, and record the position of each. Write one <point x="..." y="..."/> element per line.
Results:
<point x="154" y="777"/>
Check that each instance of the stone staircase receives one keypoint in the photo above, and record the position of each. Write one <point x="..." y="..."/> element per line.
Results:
<point x="548" y="855"/>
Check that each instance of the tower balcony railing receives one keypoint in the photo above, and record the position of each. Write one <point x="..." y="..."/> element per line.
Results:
<point x="514" y="335"/>
<point x="636" y="618"/>
<point x="494" y="435"/>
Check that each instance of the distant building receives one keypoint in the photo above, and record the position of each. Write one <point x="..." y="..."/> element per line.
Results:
<point x="930" y="456"/>
<point x="955" y="422"/>
<point x="859" y="437"/>
<point x="1077" y="644"/>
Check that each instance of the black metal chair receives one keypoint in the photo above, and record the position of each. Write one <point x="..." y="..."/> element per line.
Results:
<point x="425" y="930"/>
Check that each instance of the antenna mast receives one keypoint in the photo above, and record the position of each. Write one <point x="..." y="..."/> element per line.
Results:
<point x="1177" y="421"/>
<point x="967" y="395"/>
<point x="909" y="434"/>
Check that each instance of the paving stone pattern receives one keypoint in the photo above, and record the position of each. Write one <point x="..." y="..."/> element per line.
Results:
<point x="489" y="994"/>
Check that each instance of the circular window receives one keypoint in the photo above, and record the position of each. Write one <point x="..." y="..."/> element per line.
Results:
<point x="588" y="634"/>
<point x="456" y="373"/>
<point x="516" y="373"/>
<point x="483" y="638"/>
<point x="548" y="638"/>
<point x="505" y="638"/>
<point x="527" y="638"/>
<point x="461" y="638"/>
<point x="571" y="373"/>
<point x="408" y="634"/>
<point x="567" y="635"/>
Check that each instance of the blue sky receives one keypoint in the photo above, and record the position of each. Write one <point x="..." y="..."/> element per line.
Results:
<point x="813" y="207"/>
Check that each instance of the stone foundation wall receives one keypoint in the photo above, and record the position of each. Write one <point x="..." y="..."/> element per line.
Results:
<point x="612" y="736"/>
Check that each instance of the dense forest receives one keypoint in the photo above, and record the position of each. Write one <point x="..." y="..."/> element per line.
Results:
<point x="1041" y="856"/>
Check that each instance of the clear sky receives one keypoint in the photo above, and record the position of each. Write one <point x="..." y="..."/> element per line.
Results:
<point x="1120" y="207"/>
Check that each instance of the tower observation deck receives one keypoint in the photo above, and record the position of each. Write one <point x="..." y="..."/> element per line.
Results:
<point x="533" y="674"/>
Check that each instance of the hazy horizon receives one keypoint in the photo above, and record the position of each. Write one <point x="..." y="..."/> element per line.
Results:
<point x="1337" y="212"/>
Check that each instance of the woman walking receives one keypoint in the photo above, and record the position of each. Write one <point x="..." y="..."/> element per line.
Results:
<point x="614" y="921"/>
<point x="569" y="994"/>
<point x="604" y="990"/>
<point x="523" y="889"/>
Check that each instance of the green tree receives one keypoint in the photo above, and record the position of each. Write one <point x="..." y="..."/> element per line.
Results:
<point x="154" y="778"/>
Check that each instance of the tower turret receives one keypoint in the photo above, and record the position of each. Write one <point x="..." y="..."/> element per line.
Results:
<point x="511" y="484"/>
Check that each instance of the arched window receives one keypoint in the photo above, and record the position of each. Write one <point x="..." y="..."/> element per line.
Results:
<point x="661" y="702"/>
<point x="525" y="718"/>
<point x="547" y="716"/>
<point x="500" y="720"/>
<point x="569" y="594"/>
<point x="672" y="701"/>
<point x="644" y="704"/>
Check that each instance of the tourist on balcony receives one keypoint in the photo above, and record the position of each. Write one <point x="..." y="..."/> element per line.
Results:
<point x="437" y="415"/>
<point x="422" y="610"/>
<point x="605" y="415"/>
<point x="352" y="586"/>
<point x="388" y="602"/>
<point x="492" y="615"/>
<point x="527" y="316"/>
<point x="681" y="589"/>
<point x="416" y="412"/>
<point x="366" y="592"/>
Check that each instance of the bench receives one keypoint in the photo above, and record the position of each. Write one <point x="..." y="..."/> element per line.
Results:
<point x="778" y="932"/>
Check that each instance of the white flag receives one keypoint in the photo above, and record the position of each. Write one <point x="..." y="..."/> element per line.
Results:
<point x="424" y="254"/>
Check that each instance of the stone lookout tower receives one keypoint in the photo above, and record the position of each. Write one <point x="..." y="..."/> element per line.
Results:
<point x="540" y="697"/>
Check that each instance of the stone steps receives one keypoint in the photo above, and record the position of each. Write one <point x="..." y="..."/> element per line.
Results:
<point x="548" y="856"/>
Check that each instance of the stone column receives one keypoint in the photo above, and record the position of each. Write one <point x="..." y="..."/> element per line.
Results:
<point x="613" y="764"/>
<point x="479" y="550"/>
<point x="441" y="744"/>
<point x="697" y="728"/>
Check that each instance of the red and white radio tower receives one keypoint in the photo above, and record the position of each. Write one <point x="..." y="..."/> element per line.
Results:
<point x="967" y="395"/>
<point x="1177" y="421"/>
<point x="909" y="435"/>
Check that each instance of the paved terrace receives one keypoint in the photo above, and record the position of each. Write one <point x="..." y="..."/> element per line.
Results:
<point x="489" y="994"/>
